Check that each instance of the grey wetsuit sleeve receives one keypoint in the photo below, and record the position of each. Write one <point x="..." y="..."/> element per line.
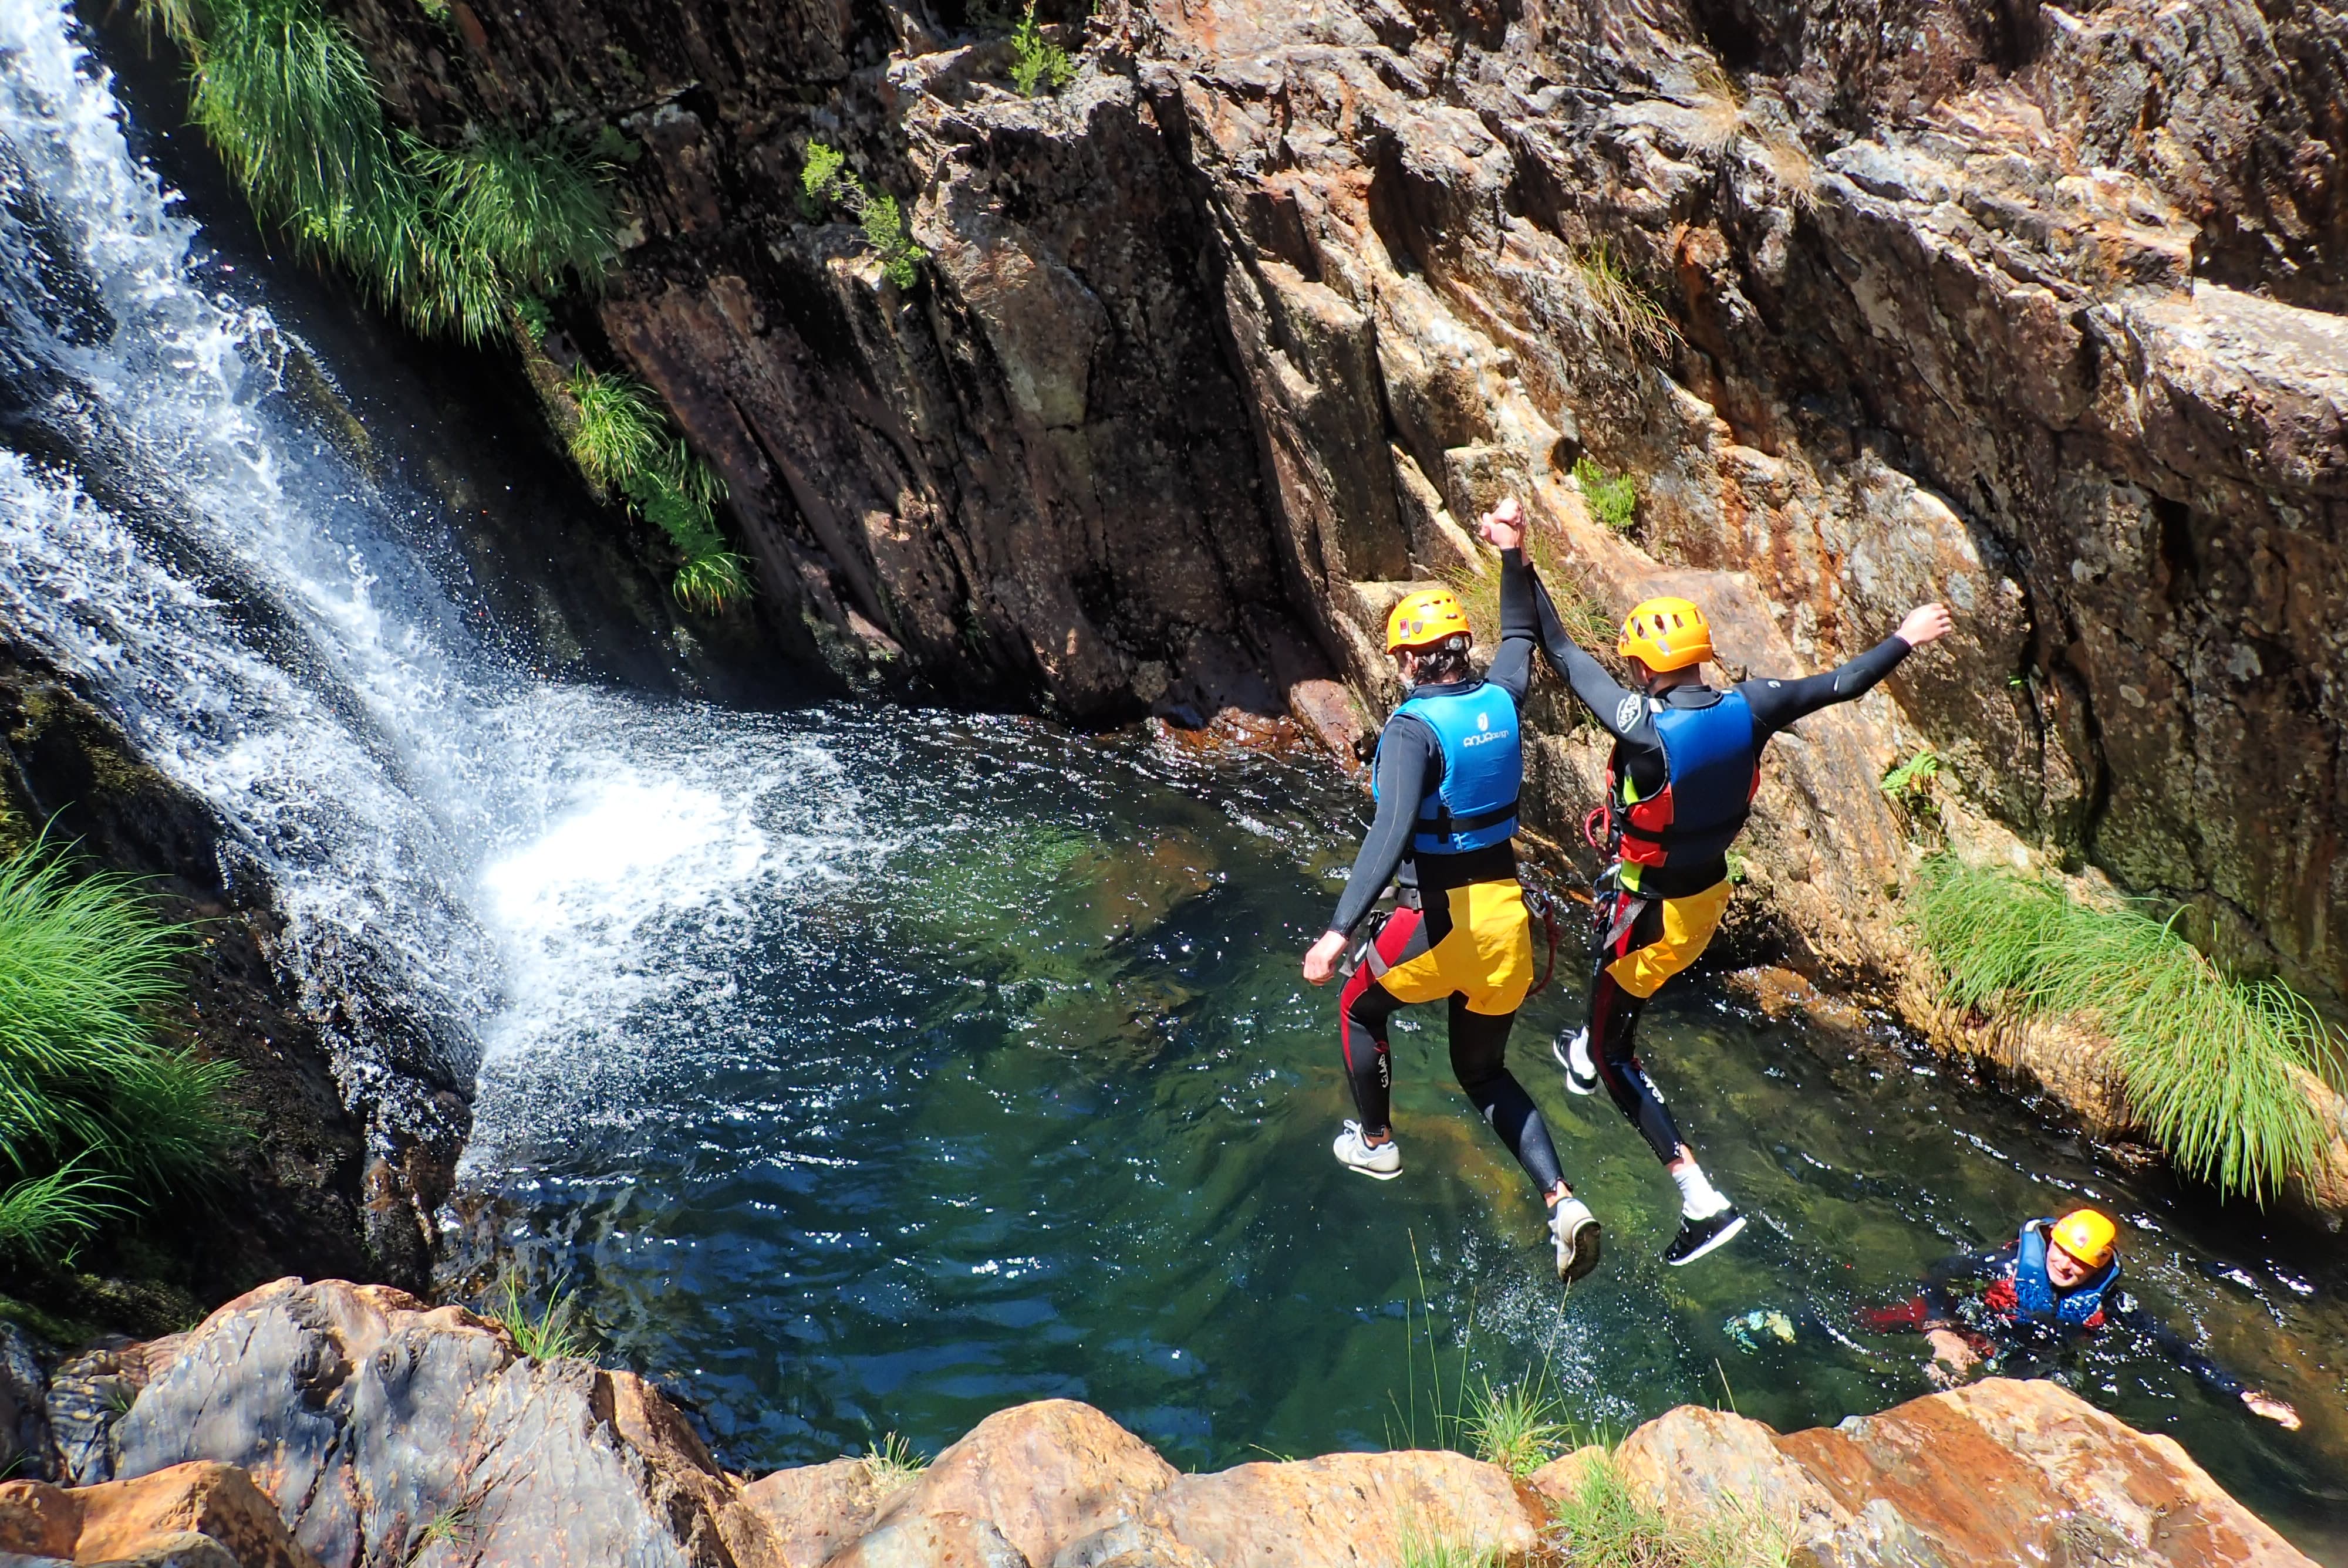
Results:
<point x="1406" y="756"/>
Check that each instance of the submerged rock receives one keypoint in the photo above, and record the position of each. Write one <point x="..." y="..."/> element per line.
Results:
<point x="386" y="1431"/>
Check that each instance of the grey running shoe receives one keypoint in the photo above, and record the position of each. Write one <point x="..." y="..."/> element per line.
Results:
<point x="1382" y="1162"/>
<point x="1697" y="1238"/>
<point x="1573" y="1055"/>
<point x="1574" y="1229"/>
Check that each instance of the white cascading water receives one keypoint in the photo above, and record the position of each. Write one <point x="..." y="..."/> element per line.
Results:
<point x="471" y="863"/>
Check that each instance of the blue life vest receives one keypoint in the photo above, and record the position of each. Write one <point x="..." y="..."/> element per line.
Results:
<point x="1474" y="805"/>
<point x="1712" y="759"/>
<point x="2033" y="1289"/>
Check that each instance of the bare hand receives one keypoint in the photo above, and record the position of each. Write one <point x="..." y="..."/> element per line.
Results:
<point x="1503" y="526"/>
<point x="2278" y="1411"/>
<point x="1952" y="1356"/>
<point x="1320" y="959"/>
<point x="1926" y="623"/>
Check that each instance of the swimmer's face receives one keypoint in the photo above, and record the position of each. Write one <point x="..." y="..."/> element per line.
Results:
<point x="2063" y="1270"/>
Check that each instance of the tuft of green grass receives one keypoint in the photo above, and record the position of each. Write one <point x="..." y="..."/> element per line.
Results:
<point x="826" y="179"/>
<point x="47" y="1216"/>
<point x="893" y="1465"/>
<point x="1480" y="595"/>
<point x="619" y="444"/>
<point x="2210" y="1063"/>
<point x="92" y="1103"/>
<point x="1618" y="305"/>
<point x="542" y="1334"/>
<point x="1432" y="1549"/>
<point x="1615" y="501"/>
<point x="1516" y="1425"/>
<point x="1605" y="1524"/>
<point x="1037" y="65"/>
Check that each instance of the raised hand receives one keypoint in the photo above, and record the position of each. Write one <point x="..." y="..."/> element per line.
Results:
<point x="1926" y="623"/>
<point x="1503" y="526"/>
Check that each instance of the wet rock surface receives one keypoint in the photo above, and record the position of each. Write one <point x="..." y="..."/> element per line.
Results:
<point x="386" y="1431"/>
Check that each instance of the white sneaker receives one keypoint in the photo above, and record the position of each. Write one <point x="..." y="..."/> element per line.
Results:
<point x="1381" y="1161"/>
<point x="1574" y="1229"/>
<point x="1573" y="1055"/>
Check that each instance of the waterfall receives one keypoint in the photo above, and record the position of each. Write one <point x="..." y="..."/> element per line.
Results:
<point x="467" y="860"/>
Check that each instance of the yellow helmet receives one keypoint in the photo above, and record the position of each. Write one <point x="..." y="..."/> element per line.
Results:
<point x="1429" y="616"/>
<point x="2086" y="1236"/>
<point x="1666" y="634"/>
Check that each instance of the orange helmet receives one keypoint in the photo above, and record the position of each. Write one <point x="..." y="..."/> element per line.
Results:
<point x="1430" y="616"/>
<point x="2088" y="1236"/>
<point x="1666" y="634"/>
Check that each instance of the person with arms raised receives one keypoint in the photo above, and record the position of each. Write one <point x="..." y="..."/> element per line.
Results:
<point x="1450" y="764"/>
<point x="1686" y="763"/>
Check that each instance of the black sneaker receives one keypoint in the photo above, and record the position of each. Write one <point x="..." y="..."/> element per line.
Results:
<point x="1697" y="1238"/>
<point x="1573" y="1055"/>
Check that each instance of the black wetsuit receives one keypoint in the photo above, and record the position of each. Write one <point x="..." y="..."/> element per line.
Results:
<point x="2011" y="1334"/>
<point x="1629" y="913"/>
<point x="1409" y="767"/>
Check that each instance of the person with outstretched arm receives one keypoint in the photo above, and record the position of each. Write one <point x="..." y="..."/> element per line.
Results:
<point x="1450" y="764"/>
<point x="1685" y="765"/>
<point x="2058" y="1279"/>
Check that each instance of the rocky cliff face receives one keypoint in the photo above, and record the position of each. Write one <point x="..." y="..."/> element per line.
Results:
<point x="2029" y="308"/>
<point x="385" y="1432"/>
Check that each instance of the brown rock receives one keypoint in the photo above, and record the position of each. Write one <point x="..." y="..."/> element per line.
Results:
<point x="1997" y="1473"/>
<point x="943" y="1540"/>
<point x="813" y="1511"/>
<point x="38" y="1520"/>
<point x="1347" y="1510"/>
<point x="1043" y="1474"/>
<point x="121" y="1519"/>
<point x="1562" y="1478"/>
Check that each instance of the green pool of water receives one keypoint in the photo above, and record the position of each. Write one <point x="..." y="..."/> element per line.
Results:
<point x="868" y="1073"/>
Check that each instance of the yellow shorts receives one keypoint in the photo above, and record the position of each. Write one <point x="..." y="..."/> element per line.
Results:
<point x="1480" y="944"/>
<point x="1668" y="936"/>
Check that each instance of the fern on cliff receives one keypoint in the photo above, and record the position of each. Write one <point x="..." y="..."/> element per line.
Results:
<point x="2215" y="1067"/>
<point x="826" y="179"/>
<point x="92" y="1106"/>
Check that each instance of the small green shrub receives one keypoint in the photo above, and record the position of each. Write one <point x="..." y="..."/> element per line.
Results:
<point x="826" y="179"/>
<point x="1615" y="501"/>
<point x="2211" y="1064"/>
<point x="93" y="1108"/>
<point x="542" y="1334"/>
<point x="1515" y="1426"/>
<point x="1602" y="1523"/>
<point x="1037" y="66"/>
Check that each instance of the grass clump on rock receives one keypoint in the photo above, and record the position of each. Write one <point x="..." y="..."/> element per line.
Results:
<point x="541" y="1333"/>
<point x="1604" y="1523"/>
<point x="1615" y="501"/>
<point x="96" y="1115"/>
<point x="1515" y="1425"/>
<point x="2217" y="1068"/>
<point x="620" y="443"/>
<point x="473" y="238"/>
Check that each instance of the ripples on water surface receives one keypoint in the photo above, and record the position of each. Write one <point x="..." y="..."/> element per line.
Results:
<point x="881" y="1069"/>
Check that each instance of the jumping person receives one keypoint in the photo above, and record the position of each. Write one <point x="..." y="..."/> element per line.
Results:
<point x="1450" y="762"/>
<point x="2058" y="1281"/>
<point x="1686" y="763"/>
